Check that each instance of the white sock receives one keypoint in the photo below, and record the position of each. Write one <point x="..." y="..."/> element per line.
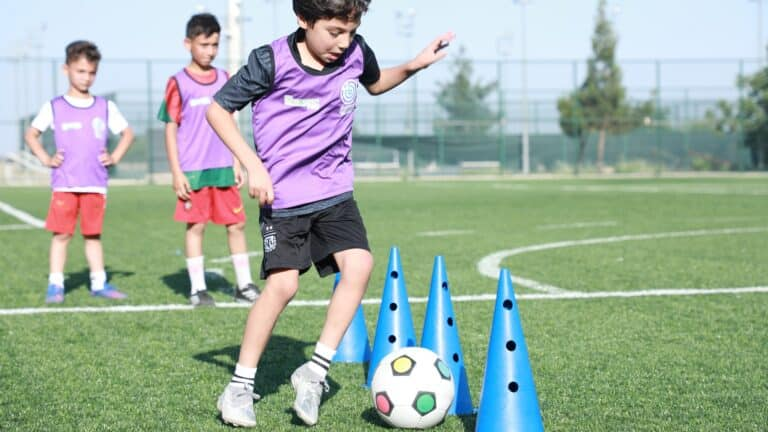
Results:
<point x="242" y="269"/>
<point x="196" y="274"/>
<point x="243" y="375"/>
<point x="321" y="360"/>
<point x="56" y="279"/>
<point x="97" y="280"/>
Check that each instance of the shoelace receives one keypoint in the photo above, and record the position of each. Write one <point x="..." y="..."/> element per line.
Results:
<point x="249" y="392"/>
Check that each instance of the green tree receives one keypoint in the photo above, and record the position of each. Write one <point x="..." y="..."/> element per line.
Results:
<point x="600" y="103"/>
<point x="465" y="102"/>
<point x="748" y="116"/>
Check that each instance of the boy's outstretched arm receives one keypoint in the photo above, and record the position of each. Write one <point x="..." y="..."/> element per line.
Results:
<point x="392" y="77"/>
<point x="259" y="182"/>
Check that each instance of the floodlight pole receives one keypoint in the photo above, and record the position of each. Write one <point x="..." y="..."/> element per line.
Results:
<point x="760" y="50"/>
<point x="525" y="156"/>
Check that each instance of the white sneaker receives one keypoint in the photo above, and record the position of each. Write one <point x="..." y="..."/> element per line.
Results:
<point x="236" y="405"/>
<point x="309" y="391"/>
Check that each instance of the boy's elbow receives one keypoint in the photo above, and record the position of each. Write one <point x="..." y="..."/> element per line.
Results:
<point x="213" y="110"/>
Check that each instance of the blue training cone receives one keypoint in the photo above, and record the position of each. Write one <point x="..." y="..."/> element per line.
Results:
<point x="394" y="329"/>
<point x="441" y="335"/>
<point x="508" y="400"/>
<point x="354" y="346"/>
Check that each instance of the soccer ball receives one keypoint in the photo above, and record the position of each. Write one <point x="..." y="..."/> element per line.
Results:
<point x="412" y="388"/>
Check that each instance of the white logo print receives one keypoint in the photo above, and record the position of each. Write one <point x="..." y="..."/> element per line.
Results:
<point x="270" y="243"/>
<point x="99" y="128"/>
<point x="348" y="97"/>
<point x="309" y="104"/>
<point x="71" y="125"/>
<point x="205" y="100"/>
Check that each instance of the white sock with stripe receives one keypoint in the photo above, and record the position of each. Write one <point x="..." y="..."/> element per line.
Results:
<point x="321" y="360"/>
<point x="244" y="375"/>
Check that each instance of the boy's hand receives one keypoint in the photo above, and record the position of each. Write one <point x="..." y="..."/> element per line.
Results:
<point x="106" y="158"/>
<point x="181" y="186"/>
<point x="56" y="160"/>
<point x="260" y="185"/>
<point x="239" y="178"/>
<point x="434" y="51"/>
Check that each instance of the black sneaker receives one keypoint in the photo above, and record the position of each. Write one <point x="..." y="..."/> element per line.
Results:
<point x="247" y="294"/>
<point x="202" y="298"/>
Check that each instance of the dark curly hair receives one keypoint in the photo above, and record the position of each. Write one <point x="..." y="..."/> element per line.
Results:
<point x="346" y="10"/>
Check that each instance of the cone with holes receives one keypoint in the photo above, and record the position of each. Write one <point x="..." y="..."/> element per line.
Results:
<point x="354" y="346"/>
<point x="441" y="335"/>
<point x="508" y="400"/>
<point x="394" y="328"/>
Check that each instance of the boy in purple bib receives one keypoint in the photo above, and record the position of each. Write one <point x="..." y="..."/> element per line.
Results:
<point x="206" y="179"/>
<point x="80" y="124"/>
<point x="303" y="91"/>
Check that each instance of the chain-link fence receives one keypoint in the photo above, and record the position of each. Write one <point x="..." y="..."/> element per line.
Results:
<point x="406" y="132"/>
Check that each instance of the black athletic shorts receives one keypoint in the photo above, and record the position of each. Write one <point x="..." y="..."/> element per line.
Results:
<point x="295" y="242"/>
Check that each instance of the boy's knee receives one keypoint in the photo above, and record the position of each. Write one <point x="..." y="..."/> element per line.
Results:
<point x="236" y="228"/>
<point x="196" y="228"/>
<point x="62" y="237"/>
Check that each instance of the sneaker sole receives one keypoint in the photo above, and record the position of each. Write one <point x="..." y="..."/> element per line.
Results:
<point x="230" y="421"/>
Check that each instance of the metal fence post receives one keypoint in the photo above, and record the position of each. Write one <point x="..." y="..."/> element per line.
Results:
<point x="150" y="139"/>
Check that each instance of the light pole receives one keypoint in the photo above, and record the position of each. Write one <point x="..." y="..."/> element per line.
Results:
<point x="760" y="52"/>
<point x="406" y="21"/>
<point x="525" y="156"/>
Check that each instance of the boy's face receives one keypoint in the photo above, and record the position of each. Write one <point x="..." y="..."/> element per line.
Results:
<point x="203" y="49"/>
<point x="327" y="39"/>
<point x="81" y="73"/>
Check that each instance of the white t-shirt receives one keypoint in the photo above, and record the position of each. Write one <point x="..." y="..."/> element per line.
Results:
<point x="115" y="122"/>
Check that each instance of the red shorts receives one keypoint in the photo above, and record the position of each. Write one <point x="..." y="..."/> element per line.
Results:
<point x="221" y="206"/>
<point x="65" y="206"/>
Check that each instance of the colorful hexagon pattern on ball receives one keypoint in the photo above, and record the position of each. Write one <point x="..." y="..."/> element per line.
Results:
<point x="412" y="388"/>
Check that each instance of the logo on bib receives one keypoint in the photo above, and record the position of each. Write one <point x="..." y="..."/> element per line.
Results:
<point x="348" y="96"/>
<point x="99" y="128"/>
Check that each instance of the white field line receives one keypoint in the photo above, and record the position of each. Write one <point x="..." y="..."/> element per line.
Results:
<point x="678" y="188"/>
<point x="577" y="225"/>
<point x="413" y="300"/>
<point x="228" y="259"/>
<point x="490" y="265"/>
<point x="14" y="227"/>
<point x="22" y="216"/>
<point x="715" y="190"/>
<point x="443" y="233"/>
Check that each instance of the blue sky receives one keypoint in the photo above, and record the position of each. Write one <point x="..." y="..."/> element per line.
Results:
<point x="555" y="29"/>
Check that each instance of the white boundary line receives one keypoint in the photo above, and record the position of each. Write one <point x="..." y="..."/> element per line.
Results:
<point x="443" y="233"/>
<point x="21" y="215"/>
<point x="458" y="299"/>
<point x="577" y="225"/>
<point x="490" y="265"/>
<point x="16" y="227"/>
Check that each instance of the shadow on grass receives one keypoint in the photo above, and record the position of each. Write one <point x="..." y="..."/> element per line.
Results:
<point x="281" y="357"/>
<point x="82" y="278"/>
<point x="370" y="416"/>
<point x="179" y="282"/>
